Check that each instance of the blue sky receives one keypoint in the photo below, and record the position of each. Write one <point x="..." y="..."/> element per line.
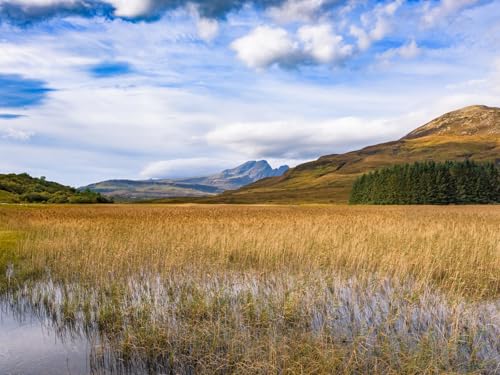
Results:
<point x="93" y="90"/>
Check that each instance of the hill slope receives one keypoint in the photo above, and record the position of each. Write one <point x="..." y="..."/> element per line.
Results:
<point x="228" y="179"/>
<point x="17" y="188"/>
<point x="469" y="133"/>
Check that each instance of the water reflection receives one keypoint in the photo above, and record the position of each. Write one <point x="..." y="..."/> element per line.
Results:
<point x="29" y="346"/>
<point x="31" y="343"/>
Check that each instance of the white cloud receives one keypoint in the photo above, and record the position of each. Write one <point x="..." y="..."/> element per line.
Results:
<point x="322" y="45"/>
<point x="491" y="82"/>
<point x="381" y="29"/>
<point x="409" y="50"/>
<point x="296" y="10"/>
<point x="208" y="29"/>
<point x="265" y="46"/>
<point x="296" y="139"/>
<point x="446" y="8"/>
<point x="131" y="8"/>
<point x="471" y="83"/>
<point x="363" y="39"/>
<point x="377" y="24"/>
<point x="391" y="7"/>
<point x="123" y="8"/>
<point x="17" y="134"/>
<point x="40" y="60"/>
<point x="182" y="168"/>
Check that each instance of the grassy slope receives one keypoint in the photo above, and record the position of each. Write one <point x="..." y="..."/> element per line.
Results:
<point x="6" y="197"/>
<point x="454" y="136"/>
<point x="15" y="188"/>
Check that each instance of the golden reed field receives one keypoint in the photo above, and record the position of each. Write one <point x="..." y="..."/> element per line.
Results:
<point x="263" y="289"/>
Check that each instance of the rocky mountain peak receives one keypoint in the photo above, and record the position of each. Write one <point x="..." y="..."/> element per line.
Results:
<point x="252" y="171"/>
<point x="473" y="120"/>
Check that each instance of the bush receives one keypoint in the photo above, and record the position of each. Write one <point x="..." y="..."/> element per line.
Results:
<point x="35" y="197"/>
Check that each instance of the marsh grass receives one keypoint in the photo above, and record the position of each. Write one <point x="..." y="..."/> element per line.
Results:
<point x="269" y="289"/>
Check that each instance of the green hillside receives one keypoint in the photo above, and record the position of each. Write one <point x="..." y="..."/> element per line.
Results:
<point x="470" y="133"/>
<point x="22" y="188"/>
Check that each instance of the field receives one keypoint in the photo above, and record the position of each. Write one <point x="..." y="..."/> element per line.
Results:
<point x="264" y="289"/>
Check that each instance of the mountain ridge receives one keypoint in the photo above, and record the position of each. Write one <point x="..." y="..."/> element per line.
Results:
<point x="228" y="179"/>
<point x="469" y="133"/>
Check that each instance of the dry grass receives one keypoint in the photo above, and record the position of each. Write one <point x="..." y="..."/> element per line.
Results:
<point x="268" y="289"/>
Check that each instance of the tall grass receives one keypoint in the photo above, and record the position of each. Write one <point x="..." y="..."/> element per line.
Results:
<point x="268" y="289"/>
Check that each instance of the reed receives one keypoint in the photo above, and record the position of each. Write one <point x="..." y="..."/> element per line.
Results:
<point x="260" y="289"/>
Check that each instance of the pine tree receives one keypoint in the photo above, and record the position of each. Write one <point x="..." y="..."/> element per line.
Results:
<point x="429" y="183"/>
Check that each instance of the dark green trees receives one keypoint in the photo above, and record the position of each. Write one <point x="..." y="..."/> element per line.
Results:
<point x="429" y="183"/>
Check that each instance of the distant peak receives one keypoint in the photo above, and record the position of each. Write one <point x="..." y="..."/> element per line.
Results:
<point x="253" y="163"/>
<point x="250" y="162"/>
<point x="264" y="162"/>
<point x="471" y="120"/>
<point x="254" y="170"/>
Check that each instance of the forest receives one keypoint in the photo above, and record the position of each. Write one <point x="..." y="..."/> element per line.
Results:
<point x="429" y="182"/>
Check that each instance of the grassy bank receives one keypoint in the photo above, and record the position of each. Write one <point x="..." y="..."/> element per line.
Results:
<point x="247" y="289"/>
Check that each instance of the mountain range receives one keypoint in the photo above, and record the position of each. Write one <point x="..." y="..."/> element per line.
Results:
<point x="228" y="179"/>
<point x="469" y="133"/>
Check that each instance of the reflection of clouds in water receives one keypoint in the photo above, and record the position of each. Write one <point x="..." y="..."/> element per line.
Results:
<point x="29" y="348"/>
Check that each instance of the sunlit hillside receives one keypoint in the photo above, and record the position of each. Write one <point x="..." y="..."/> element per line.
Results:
<point x="470" y="133"/>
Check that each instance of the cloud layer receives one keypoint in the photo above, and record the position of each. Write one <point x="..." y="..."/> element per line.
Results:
<point x="35" y="10"/>
<point x="184" y="168"/>
<point x="211" y="84"/>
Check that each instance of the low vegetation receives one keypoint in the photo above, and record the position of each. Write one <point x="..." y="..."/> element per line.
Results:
<point x="429" y="183"/>
<point x="22" y="188"/>
<point x="247" y="289"/>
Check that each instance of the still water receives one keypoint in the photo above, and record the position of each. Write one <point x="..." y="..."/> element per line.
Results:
<point x="29" y="346"/>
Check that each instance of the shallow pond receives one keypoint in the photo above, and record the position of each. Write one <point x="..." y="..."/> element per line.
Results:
<point x="29" y="346"/>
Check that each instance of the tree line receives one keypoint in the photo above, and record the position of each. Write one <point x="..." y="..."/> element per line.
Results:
<point x="429" y="182"/>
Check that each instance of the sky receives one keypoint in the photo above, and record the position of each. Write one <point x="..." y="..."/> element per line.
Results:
<point x="92" y="90"/>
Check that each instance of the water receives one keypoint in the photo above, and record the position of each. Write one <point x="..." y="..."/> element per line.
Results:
<point x="29" y="346"/>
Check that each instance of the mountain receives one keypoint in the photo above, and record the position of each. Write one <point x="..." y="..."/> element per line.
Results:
<point x="228" y="179"/>
<point x="476" y="120"/>
<point x="242" y="175"/>
<point x="469" y="133"/>
<point x="22" y="188"/>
